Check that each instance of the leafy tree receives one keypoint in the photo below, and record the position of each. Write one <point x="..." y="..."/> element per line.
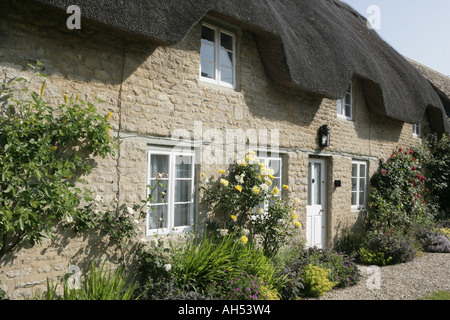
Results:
<point x="44" y="149"/>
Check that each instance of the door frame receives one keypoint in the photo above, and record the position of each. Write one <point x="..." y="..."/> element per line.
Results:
<point x="324" y="202"/>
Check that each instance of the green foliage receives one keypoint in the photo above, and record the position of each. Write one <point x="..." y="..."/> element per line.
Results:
<point x="316" y="281"/>
<point x="349" y="242"/>
<point x="342" y="270"/>
<point x="371" y="257"/>
<point x="99" y="284"/>
<point x="398" y="196"/>
<point x="43" y="148"/>
<point x="237" y="202"/>
<point x="384" y="248"/>
<point x="438" y="295"/>
<point x="240" y="286"/>
<point x="434" y="154"/>
<point x="198" y="262"/>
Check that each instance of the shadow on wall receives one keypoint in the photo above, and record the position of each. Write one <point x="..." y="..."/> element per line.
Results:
<point x="90" y="54"/>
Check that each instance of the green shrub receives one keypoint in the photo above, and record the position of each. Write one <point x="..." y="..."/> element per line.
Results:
<point x="316" y="281"/>
<point x="398" y="196"/>
<point x="245" y="202"/>
<point x="349" y="242"/>
<point x="385" y="248"/>
<point x="239" y="286"/>
<point x="372" y="257"/>
<point x="434" y="154"/>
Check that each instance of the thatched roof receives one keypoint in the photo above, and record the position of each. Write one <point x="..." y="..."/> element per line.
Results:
<point x="313" y="45"/>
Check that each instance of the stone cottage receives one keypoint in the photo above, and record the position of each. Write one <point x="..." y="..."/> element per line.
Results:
<point x="192" y="85"/>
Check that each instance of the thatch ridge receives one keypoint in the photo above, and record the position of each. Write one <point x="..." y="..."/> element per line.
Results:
<point x="314" y="45"/>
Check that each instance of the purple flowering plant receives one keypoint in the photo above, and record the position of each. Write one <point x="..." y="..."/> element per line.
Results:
<point x="239" y="286"/>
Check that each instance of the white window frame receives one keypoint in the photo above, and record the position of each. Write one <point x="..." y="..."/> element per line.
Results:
<point x="265" y="160"/>
<point x="170" y="180"/>
<point x="417" y="130"/>
<point x="217" y="81"/>
<point x="342" y="104"/>
<point x="358" y="206"/>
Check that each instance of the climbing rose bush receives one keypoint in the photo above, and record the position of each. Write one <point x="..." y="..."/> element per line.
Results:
<point x="398" y="196"/>
<point x="244" y="202"/>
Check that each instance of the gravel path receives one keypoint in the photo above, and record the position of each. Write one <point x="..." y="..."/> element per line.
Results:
<point x="407" y="281"/>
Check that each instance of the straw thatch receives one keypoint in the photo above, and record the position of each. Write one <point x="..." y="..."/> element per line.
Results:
<point x="313" y="45"/>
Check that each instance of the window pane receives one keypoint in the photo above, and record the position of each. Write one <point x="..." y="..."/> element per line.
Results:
<point x="207" y="52"/>
<point x="183" y="191"/>
<point x="157" y="217"/>
<point x="226" y="59"/>
<point x="354" y="184"/>
<point x="309" y="183"/>
<point x="348" y="111"/>
<point x="361" y="199"/>
<point x="183" y="166"/>
<point x="354" y="170"/>
<point x="354" y="198"/>
<point x="317" y="184"/>
<point x="275" y="165"/>
<point x="208" y="35"/>
<point x="226" y="75"/>
<point x="159" y="163"/>
<point x="339" y="106"/>
<point x="208" y="70"/>
<point x="159" y="190"/>
<point x="362" y="183"/>
<point x="226" y="41"/>
<point x="181" y="215"/>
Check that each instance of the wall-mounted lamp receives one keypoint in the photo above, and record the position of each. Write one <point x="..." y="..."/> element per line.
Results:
<point x="324" y="136"/>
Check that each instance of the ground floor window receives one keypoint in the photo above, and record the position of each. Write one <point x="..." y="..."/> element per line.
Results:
<point x="171" y="175"/>
<point x="359" y="184"/>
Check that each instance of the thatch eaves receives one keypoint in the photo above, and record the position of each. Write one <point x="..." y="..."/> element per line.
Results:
<point x="315" y="45"/>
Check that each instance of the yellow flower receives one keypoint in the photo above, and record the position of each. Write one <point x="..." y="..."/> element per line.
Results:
<point x="285" y="186"/>
<point x="256" y="190"/>
<point x="238" y="188"/>
<point x="294" y="216"/>
<point x="109" y="115"/>
<point x="233" y="217"/>
<point x="244" y="239"/>
<point x="224" y="182"/>
<point x="221" y="171"/>
<point x="269" y="182"/>
<point x="297" y="224"/>
<point x="242" y="163"/>
<point x="276" y="191"/>
<point x="271" y="176"/>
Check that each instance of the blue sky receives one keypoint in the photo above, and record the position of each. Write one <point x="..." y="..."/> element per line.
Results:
<point x="418" y="29"/>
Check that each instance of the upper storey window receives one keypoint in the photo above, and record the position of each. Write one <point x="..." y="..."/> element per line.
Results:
<point x="417" y="130"/>
<point x="345" y="105"/>
<point x="217" y="55"/>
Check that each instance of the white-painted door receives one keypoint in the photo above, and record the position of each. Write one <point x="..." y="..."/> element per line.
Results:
<point x="316" y="208"/>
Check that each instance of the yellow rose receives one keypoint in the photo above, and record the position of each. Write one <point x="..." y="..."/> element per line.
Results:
<point x="238" y="188"/>
<point x="109" y="115"/>
<point x="276" y="191"/>
<point x="269" y="182"/>
<point x="256" y="190"/>
<point x="271" y="176"/>
<point x="244" y="239"/>
<point x="221" y="171"/>
<point x="285" y="186"/>
<point x="297" y="224"/>
<point x="294" y="216"/>
<point x="224" y="182"/>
